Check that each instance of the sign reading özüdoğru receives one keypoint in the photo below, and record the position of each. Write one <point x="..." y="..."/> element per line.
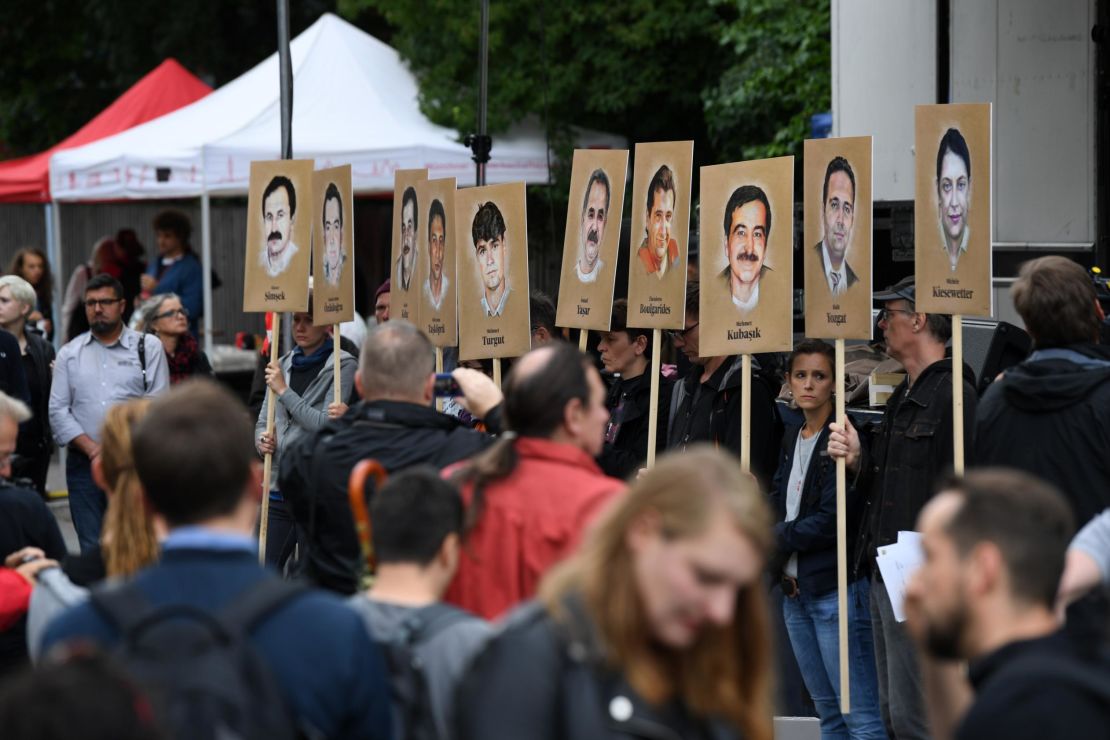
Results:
<point x="837" y="243"/>
<point x="746" y="257"/>
<point x="279" y="231"/>
<point x="437" y="314"/>
<point x="594" y="211"/>
<point x="333" y="255"/>
<point x="405" y="255"/>
<point x="659" y="235"/>
<point x="952" y="209"/>
<point x="491" y="258"/>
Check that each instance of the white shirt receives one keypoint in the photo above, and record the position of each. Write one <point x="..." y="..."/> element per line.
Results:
<point x="749" y="304"/>
<point x="838" y="286"/>
<point x="273" y="269"/>
<point x="588" y="277"/>
<point x="436" y="304"/>
<point x="952" y="263"/>
<point x="803" y="451"/>
<point x="500" y="304"/>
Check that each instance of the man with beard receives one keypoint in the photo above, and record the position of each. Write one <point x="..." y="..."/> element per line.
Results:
<point x="994" y="546"/>
<point x="279" y="213"/>
<point x="333" y="235"/>
<point x="406" y="261"/>
<point x="595" y="213"/>
<point x="747" y="228"/>
<point x="106" y="365"/>
<point x="838" y="198"/>
<point x="658" y="251"/>
<point x="435" y="287"/>
<point x="492" y="252"/>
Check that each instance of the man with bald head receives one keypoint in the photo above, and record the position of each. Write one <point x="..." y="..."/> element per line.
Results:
<point x="397" y="424"/>
<point x="534" y="508"/>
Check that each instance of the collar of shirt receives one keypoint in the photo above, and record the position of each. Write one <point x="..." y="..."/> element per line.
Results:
<point x="751" y="303"/>
<point x="963" y="245"/>
<point x="167" y="261"/>
<point x="842" y="272"/>
<point x="126" y="339"/>
<point x="500" y="304"/>
<point x="203" y="538"/>
<point x="588" y="277"/>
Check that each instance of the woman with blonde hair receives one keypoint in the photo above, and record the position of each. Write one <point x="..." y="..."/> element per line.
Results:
<point x="128" y="541"/>
<point x="656" y="627"/>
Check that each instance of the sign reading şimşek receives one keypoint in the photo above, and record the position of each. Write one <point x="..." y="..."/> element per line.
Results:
<point x="437" y="314"/>
<point x="837" y="246"/>
<point x="661" y="184"/>
<point x="333" y="254"/>
<point x="279" y="232"/>
<point x="746" y="257"/>
<point x="405" y="255"/>
<point x="491" y="257"/>
<point x="952" y="209"/>
<point x="594" y="210"/>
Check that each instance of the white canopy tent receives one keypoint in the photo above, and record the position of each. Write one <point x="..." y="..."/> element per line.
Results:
<point x="354" y="102"/>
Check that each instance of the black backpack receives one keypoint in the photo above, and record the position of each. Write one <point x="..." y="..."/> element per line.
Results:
<point x="413" y="718"/>
<point x="199" y="669"/>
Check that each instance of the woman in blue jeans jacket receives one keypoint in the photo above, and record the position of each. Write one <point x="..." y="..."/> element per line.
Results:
<point x="804" y="497"/>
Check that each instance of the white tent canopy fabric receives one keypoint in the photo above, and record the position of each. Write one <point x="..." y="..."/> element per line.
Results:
<point x="355" y="102"/>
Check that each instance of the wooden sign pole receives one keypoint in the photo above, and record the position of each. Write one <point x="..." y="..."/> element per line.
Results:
<point x="497" y="371"/>
<point x="338" y="392"/>
<point x="958" y="394"/>
<point x="268" y="460"/>
<point x="746" y="413"/>
<point x="583" y="337"/>
<point x="653" y="404"/>
<point x="439" y="369"/>
<point x="842" y="538"/>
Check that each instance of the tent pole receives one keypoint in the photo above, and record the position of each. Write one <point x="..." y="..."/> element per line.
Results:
<point x="286" y="69"/>
<point x="480" y="143"/>
<point x="206" y="267"/>
<point x="54" y="254"/>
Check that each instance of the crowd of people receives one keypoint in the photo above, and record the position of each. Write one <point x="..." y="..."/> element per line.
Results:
<point x="519" y="572"/>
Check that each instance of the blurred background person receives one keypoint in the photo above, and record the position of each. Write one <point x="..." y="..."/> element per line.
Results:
<point x="131" y="258"/>
<point x="176" y="269"/>
<point x="102" y="259"/>
<point x="30" y="263"/>
<point x="656" y="627"/>
<point x="36" y="444"/>
<point x="165" y="317"/>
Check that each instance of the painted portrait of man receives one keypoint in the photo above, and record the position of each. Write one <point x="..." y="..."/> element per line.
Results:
<point x="595" y="214"/>
<point x="436" y="284"/>
<point x="838" y="199"/>
<point x="954" y="194"/>
<point x="279" y="213"/>
<point x="747" y="225"/>
<point x="406" y="261"/>
<point x="491" y="251"/>
<point x="658" y="251"/>
<point x="334" y="258"/>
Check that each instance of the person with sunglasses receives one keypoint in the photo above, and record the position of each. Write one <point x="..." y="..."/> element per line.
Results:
<point x="165" y="317"/>
<point x="106" y="365"/>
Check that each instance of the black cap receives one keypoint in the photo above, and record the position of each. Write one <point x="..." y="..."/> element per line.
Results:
<point x="903" y="289"/>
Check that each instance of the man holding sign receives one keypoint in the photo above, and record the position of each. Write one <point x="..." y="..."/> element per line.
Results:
<point x="897" y="475"/>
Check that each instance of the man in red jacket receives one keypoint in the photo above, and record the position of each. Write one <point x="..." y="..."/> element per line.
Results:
<point x="530" y="496"/>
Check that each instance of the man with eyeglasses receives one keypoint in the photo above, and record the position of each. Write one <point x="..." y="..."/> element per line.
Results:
<point x="897" y="474"/>
<point x="106" y="365"/>
<point x="705" y="405"/>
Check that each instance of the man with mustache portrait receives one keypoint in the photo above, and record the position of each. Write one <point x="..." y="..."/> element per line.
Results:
<point x="279" y="213"/>
<point x="747" y="225"/>
<point x="838" y="199"/>
<point x="595" y="213"/>
<point x="406" y="261"/>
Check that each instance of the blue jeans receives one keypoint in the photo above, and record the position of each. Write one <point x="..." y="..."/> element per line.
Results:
<point x="813" y="626"/>
<point x="87" y="503"/>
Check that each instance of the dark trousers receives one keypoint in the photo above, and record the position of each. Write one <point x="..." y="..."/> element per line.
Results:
<point x="34" y="468"/>
<point x="87" y="503"/>
<point x="281" y="535"/>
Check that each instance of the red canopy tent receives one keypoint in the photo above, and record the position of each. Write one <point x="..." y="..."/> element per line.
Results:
<point x="166" y="88"/>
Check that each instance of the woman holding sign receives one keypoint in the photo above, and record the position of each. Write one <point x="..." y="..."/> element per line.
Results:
<point x="804" y="496"/>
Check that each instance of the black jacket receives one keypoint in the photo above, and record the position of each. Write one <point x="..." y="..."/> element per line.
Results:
<point x="316" y="467"/>
<point x="628" y="452"/>
<point x="1040" y="689"/>
<point x="910" y="454"/>
<point x="812" y="534"/>
<point x="13" y="380"/>
<point x="1050" y="416"/>
<point x="42" y="354"/>
<point x="717" y="419"/>
<point x="545" y="680"/>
